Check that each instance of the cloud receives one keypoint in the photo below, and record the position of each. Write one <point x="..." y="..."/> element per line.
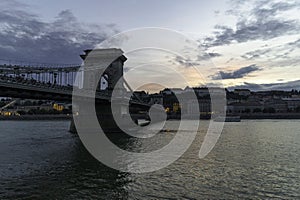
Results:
<point x="12" y="4"/>
<point x="186" y="62"/>
<point x="294" y="45"/>
<point x="279" y="52"/>
<point x="24" y="36"/>
<point x="240" y="73"/>
<point x="270" y="86"/>
<point x="198" y="60"/>
<point x="207" y="56"/>
<point x="265" y="9"/>
<point x="256" y="54"/>
<point x="262" y="22"/>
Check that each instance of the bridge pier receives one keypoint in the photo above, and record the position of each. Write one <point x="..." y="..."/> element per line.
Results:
<point x="72" y="128"/>
<point x="105" y="117"/>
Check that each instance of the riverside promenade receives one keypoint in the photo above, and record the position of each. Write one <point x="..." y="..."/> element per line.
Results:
<point x="36" y="117"/>
<point x="270" y="116"/>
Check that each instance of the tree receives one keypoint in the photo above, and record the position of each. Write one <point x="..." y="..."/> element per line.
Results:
<point x="257" y="110"/>
<point x="43" y="111"/>
<point x="31" y="112"/>
<point x="269" y="110"/>
<point x="2" y="104"/>
<point x="272" y="110"/>
<point x="66" y="111"/>
<point x="27" y="103"/>
<point x="247" y="110"/>
<point x="21" y="112"/>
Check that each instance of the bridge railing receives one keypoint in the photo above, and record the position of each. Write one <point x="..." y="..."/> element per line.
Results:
<point x="33" y="84"/>
<point x="27" y="64"/>
<point x="36" y="84"/>
<point x="58" y="76"/>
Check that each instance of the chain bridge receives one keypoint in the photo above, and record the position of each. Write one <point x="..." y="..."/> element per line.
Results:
<point x="57" y="82"/>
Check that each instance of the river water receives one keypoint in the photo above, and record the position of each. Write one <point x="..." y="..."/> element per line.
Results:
<point x="253" y="159"/>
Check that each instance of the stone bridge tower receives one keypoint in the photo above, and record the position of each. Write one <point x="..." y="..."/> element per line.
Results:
<point x="109" y="62"/>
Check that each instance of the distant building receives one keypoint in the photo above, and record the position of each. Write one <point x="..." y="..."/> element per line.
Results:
<point x="58" y="106"/>
<point x="242" y="92"/>
<point x="142" y="95"/>
<point x="239" y="107"/>
<point x="9" y="112"/>
<point x="201" y="92"/>
<point x="166" y="91"/>
<point x="204" y="105"/>
<point x="172" y="91"/>
<point x="156" y="99"/>
<point x="176" y="107"/>
<point x="46" y="107"/>
<point x="278" y="104"/>
<point x="292" y="103"/>
<point x="189" y="106"/>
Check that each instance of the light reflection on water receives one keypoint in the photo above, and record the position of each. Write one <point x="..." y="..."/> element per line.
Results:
<point x="252" y="159"/>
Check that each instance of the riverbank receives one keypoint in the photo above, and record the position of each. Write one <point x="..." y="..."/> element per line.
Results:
<point x="271" y="116"/>
<point x="173" y="117"/>
<point x="36" y="117"/>
<point x="245" y="116"/>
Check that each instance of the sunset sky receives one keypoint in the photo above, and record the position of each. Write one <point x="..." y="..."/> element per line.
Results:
<point x="253" y="44"/>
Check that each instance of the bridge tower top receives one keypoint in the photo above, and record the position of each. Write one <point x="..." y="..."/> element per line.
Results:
<point x="95" y="59"/>
<point x="103" y="53"/>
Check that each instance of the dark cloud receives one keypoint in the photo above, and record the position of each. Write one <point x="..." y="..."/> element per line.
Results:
<point x="294" y="45"/>
<point x="270" y="86"/>
<point x="252" y="31"/>
<point x="256" y="54"/>
<point x="266" y="9"/>
<point x="186" y="62"/>
<point x="207" y="56"/>
<point x="262" y="23"/>
<point x="240" y="73"/>
<point x="214" y="54"/>
<point x="274" y="53"/>
<point x="24" y="36"/>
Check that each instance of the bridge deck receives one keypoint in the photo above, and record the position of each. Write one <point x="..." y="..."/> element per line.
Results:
<point x="22" y="88"/>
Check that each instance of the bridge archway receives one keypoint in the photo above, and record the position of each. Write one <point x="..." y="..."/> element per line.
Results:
<point x="104" y="82"/>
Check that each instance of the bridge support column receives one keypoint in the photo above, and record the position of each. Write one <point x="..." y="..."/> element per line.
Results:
<point x="95" y="66"/>
<point x="72" y="128"/>
<point x="104" y="116"/>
